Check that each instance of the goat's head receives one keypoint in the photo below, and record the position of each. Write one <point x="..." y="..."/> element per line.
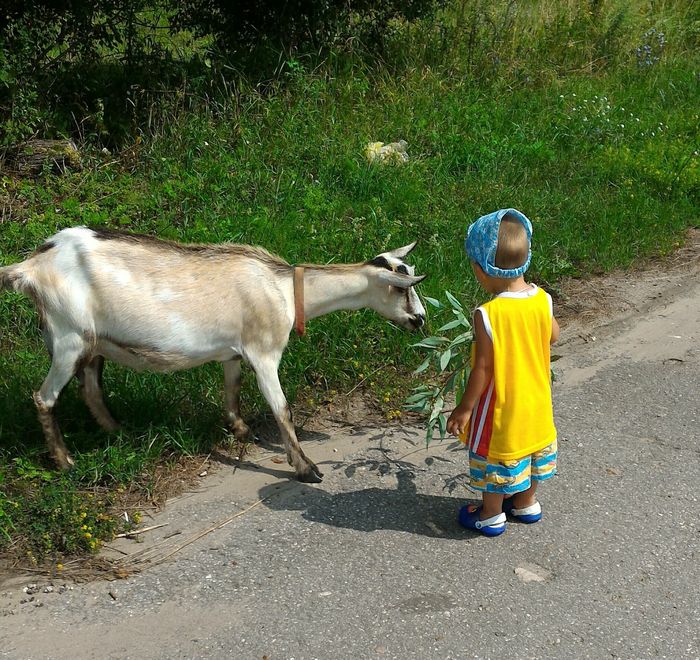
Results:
<point x="391" y="288"/>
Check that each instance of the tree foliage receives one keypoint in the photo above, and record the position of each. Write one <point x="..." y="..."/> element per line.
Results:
<point x="295" y="23"/>
<point x="70" y="66"/>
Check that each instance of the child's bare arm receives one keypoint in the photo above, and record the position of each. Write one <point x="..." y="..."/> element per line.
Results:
<point x="555" y="332"/>
<point x="479" y="378"/>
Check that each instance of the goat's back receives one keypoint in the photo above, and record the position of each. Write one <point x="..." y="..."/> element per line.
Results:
<point x="138" y="289"/>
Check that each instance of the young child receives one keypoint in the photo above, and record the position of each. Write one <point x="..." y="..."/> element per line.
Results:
<point x="505" y="415"/>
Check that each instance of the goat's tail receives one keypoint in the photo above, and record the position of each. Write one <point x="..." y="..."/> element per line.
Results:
<point x="9" y="277"/>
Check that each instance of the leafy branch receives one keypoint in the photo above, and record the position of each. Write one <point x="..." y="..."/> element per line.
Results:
<point x="448" y="352"/>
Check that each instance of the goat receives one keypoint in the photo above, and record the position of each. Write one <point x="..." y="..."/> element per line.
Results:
<point x="163" y="306"/>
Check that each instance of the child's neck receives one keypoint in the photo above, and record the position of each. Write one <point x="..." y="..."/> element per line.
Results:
<point x="514" y="285"/>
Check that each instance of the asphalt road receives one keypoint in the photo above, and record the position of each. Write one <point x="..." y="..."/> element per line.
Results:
<point x="372" y="563"/>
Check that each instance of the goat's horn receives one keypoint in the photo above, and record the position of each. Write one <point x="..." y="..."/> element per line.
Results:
<point x="401" y="252"/>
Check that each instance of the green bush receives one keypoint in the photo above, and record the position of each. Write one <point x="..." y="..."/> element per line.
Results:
<point x="97" y="69"/>
<point x="292" y="24"/>
<point x="48" y="516"/>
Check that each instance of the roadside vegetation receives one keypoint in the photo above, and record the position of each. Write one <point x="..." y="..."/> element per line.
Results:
<point x="584" y="115"/>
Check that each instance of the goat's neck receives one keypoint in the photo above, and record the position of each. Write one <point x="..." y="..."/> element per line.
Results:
<point x="329" y="289"/>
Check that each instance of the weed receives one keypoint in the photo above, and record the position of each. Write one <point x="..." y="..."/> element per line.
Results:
<point x="45" y="515"/>
<point x="651" y="48"/>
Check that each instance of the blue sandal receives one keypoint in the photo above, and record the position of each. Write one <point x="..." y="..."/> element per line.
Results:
<point x="469" y="518"/>
<point x="529" y="514"/>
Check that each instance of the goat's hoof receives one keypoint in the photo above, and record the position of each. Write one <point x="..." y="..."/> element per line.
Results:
<point x="64" y="461"/>
<point x="240" y="430"/>
<point x="310" y="476"/>
<point x="112" y="427"/>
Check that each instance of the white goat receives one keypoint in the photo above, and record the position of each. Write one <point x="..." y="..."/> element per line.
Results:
<point x="162" y="306"/>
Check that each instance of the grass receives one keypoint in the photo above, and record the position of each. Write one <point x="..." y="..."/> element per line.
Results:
<point x="600" y="151"/>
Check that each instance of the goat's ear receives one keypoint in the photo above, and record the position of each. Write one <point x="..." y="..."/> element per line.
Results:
<point x="401" y="252"/>
<point x="400" y="280"/>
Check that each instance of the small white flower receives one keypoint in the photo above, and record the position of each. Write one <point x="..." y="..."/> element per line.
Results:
<point x="574" y="95"/>
<point x="636" y="118"/>
<point x="622" y="109"/>
<point x="622" y="125"/>
<point x="585" y="119"/>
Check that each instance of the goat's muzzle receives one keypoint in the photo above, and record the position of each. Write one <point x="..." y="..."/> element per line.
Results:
<point x="417" y="321"/>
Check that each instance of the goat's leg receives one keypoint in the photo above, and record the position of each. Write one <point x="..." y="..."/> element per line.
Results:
<point x="90" y="377"/>
<point x="66" y="354"/>
<point x="232" y="397"/>
<point x="268" y="381"/>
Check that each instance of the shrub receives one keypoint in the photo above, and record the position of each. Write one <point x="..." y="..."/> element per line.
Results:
<point x="74" y="67"/>
<point x="287" y="24"/>
<point x="49" y="515"/>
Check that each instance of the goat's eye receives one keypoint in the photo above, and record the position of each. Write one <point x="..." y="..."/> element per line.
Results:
<point x="402" y="269"/>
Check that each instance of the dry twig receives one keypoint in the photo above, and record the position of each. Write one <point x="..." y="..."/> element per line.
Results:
<point x="136" y="532"/>
<point x="223" y="523"/>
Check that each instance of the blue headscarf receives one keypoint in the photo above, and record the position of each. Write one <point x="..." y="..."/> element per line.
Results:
<point x="482" y="242"/>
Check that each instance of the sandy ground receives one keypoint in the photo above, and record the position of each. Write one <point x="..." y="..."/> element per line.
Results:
<point x="371" y="563"/>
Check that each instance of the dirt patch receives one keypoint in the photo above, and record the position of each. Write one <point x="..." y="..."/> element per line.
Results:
<point x="584" y="304"/>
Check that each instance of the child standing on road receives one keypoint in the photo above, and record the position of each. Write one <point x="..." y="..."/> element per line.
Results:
<point x="505" y="416"/>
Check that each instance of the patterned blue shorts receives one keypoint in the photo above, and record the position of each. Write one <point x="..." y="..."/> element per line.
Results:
<point x="510" y="477"/>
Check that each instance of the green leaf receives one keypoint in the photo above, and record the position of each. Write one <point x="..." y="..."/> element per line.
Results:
<point x="437" y="408"/>
<point x="417" y="407"/>
<point x="424" y="365"/>
<point x="453" y="301"/>
<point x="430" y="342"/>
<point x="462" y="383"/>
<point x="463" y="319"/>
<point x="461" y="339"/>
<point x="450" y="384"/>
<point x="415" y="398"/>
<point x="450" y="325"/>
<point x="433" y="302"/>
<point x="442" y="425"/>
<point x="445" y="359"/>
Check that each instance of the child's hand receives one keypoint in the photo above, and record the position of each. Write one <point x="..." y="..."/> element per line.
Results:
<point x="458" y="422"/>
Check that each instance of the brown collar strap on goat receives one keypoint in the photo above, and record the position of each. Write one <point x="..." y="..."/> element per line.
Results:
<point x="299" y="301"/>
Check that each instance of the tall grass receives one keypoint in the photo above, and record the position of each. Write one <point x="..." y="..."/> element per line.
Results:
<point x="544" y="106"/>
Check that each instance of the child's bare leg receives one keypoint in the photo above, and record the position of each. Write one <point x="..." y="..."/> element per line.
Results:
<point x="525" y="498"/>
<point x="492" y="505"/>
